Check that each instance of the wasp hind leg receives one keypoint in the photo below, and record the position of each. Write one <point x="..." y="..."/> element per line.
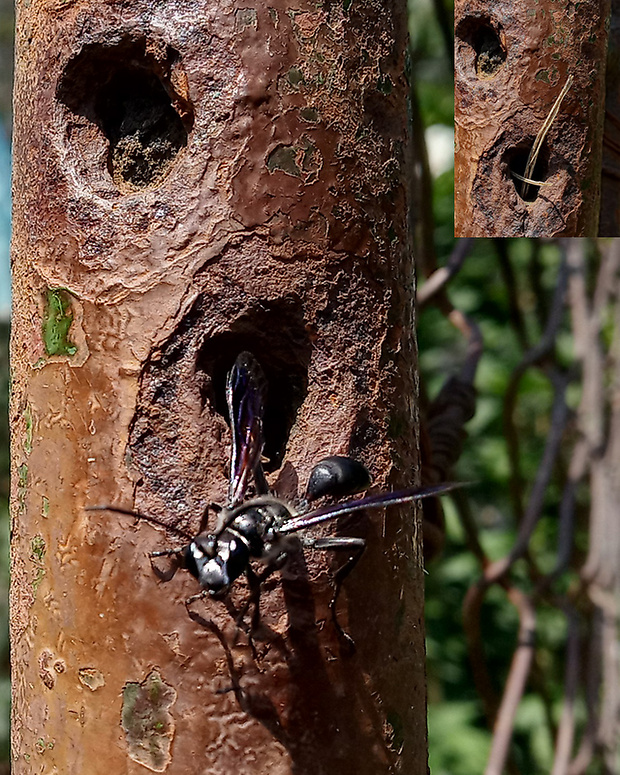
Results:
<point x="355" y="546"/>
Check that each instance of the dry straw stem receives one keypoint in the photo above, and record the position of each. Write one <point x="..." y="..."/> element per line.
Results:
<point x="530" y="181"/>
<point x="533" y="157"/>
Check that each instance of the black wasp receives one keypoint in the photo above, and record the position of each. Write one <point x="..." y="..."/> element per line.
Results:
<point x="261" y="527"/>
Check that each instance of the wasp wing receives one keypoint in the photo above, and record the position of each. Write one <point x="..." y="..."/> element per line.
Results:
<point x="370" y="502"/>
<point x="246" y="387"/>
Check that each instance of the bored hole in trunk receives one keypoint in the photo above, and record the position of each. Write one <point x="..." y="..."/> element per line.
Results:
<point x="276" y="337"/>
<point x="126" y="90"/>
<point x="490" y="52"/>
<point x="516" y="161"/>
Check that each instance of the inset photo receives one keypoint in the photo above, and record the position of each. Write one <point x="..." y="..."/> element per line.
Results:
<point x="537" y="119"/>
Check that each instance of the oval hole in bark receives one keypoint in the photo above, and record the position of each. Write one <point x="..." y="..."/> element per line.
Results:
<point x="276" y="336"/>
<point x="479" y="34"/>
<point x="127" y="91"/>
<point x="516" y="160"/>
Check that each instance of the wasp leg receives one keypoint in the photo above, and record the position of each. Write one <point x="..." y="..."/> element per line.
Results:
<point x="262" y="487"/>
<point x="255" y="581"/>
<point x="225" y="600"/>
<point x="198" y="596"/>
<point x="334" y="543"/>
<point x="204" y="520"/>
<point x="166" y="575"/>
<point x="208" y="624"/>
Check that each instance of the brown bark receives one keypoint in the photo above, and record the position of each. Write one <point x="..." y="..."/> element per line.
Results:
<point x="511" y="62"/>
<point x="609" y="224"/>
<point x="192" y="180"/>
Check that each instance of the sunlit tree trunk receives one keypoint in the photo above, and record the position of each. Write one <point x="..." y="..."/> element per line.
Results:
<point x="192" y="180"/>
<point x="512" y="62"/>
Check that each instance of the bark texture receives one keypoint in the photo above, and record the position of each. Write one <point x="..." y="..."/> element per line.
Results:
<point x="609" y="224"/>
<point x="193" y="179"/>
<point x="511" y="62"/>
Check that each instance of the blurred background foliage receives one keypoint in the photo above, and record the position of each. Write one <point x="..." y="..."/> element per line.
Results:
<point x="496" y="278"/>
<point x="459" y="738"/>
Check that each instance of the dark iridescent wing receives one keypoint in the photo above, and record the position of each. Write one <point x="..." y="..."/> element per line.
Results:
<point x="371" y="502"/>
<point x="245" y="395"/>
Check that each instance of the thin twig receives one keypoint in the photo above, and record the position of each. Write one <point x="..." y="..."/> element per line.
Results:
<point x="511" y="285"/>
<point x="441" y="276"/>
<point x="566" y="732"/>
<point x="515" y="683"/>
<point x="540" y="350"/>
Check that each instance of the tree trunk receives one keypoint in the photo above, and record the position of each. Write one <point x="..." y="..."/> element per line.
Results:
<point x="609" y="224"/>
<point x="193" y="180"/>
<point x="511" y="64"/>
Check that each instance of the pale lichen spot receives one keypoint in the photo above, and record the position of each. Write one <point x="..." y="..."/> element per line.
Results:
<point x="91" y="678"/>
<point x="246" y="17"/>
<point x="147" y="721"/>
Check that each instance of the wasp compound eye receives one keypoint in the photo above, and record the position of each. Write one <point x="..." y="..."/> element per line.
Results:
<point x="337" y="475"/>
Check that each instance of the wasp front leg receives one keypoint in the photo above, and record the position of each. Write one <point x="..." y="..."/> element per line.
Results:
<point x="255" y="582"/>
<point x="177" y="562"/>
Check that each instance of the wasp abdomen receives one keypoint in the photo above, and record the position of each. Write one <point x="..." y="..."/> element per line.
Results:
<point x="337" y="476"/>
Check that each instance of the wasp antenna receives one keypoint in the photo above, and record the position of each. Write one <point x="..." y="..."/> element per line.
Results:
<point x="137" y="515"/>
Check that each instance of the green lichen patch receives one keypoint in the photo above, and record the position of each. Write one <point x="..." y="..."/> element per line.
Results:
<point x="246" y="17"/>
<point x="147" y="721"/>
<point x="42" y="745"/>
<point x="37" y="549"/>
<point x="22" y="484"/>
<point x="57" y="320"/>
<point x="28" y="433"/>
<point x="302" y="161"/>
<point x="37" y="557"/>
<point x="295" y="76"/>
<point x="284" y="158"/>
<point x="311" y="115"/>
<point x="22" y="487"/>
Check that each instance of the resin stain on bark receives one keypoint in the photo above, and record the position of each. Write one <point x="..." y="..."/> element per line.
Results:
<point x="147" y="721"/>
